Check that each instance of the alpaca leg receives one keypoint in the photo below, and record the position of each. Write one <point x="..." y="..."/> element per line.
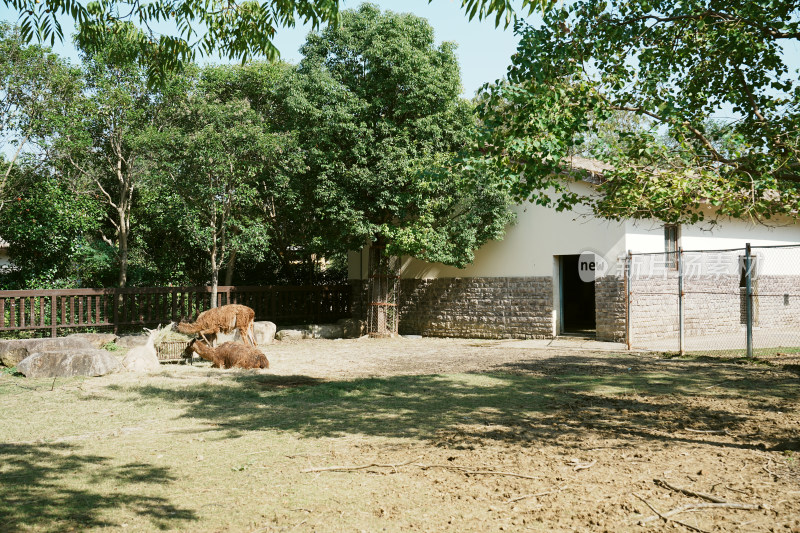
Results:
<point x="251" y="331"/>
<point x="247" y="336"/>
<point x="209" y="331"/>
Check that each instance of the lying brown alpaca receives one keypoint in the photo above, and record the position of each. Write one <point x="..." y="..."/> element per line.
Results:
<point x="230" y="354"/>
<point x="223" y="319"/>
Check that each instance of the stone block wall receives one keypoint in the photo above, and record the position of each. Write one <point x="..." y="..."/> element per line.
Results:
<point x="712" y="305"/>
<point x="491" y="308"/>
<point x="609" y="297"/>
<point x="777" y="301"/>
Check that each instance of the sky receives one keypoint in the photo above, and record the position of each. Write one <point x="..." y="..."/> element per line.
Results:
<point x="484" y="52"/>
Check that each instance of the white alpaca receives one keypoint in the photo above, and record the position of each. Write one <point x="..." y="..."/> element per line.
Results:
<point x="143" y="358"/>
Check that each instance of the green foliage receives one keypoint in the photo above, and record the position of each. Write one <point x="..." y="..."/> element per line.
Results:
<point x="36" y="87"/>
<point x="389" y="136"/>
<point x="672" y="67"/>
<point x="49" y="230"/>
<point x="235" y="29"/>
<point x="218" y="156"/>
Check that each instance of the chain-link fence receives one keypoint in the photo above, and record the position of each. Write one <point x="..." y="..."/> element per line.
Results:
<point x="743" y="301"/>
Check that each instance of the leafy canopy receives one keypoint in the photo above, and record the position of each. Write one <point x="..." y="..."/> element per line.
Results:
<point x="673" y="67"/>
<point x="388" y="140"/>
<point x="234" y="28"/>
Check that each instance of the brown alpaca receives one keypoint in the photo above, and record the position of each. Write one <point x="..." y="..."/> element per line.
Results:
<point x="223" y="319"/>
<point x="230" y="354"/>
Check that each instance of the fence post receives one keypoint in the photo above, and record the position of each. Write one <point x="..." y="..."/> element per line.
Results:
<point x="117" y="304"/>
<point x="681" y="341"/>
<point x="748" y="298"/>
<point x="53" y="316"/>
<point x="628" y="262"/>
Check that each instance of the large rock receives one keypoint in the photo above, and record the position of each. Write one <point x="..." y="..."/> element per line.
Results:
<point x="326" y="331"/>
<point x="291" y="334"/>
<point x="264" y="333"/>
<point x="62" y="364"/>
<point x="98" y="340"/>
<point x="132" y="341"/>
<point x="13" y="352"/>
<point x="353" y="328"/>
<point x="312" y="331"/>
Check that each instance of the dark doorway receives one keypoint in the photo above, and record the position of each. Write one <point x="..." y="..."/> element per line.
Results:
<point x="577" y="298"/>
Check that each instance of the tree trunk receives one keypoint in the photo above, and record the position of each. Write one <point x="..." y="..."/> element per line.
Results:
<point x="214" y="283"/>
<point x="214" y="273"/>
<point x="383" y="289"/>
<point x="230" y="268"/>
<point x="123" y="250"/>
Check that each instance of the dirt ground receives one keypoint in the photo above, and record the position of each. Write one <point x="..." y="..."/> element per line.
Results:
<point x="414" y="435"/>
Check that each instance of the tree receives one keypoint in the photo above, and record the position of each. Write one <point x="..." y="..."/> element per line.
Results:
<point x="36" y="90"/>
<point x="386" y="155"/>
<point x="217" y="155"/>
<point x="50" y="230"/>
<point x="387" y="139"/>
<point x="100" y="144"/>
<point x="236" y="29"/>
<point x="673" y="66"/>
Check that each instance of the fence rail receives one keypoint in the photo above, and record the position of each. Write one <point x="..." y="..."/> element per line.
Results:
<point x="106" y="308"/>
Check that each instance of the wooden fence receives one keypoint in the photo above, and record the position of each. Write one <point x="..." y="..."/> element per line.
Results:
<point x="106" y="308"/>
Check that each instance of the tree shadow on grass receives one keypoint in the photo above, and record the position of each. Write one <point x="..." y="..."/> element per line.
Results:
<point x="551" y="402"/>
<point x="34" y="494"/>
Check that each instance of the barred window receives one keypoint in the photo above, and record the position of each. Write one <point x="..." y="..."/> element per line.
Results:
<point x="671" y="235"/>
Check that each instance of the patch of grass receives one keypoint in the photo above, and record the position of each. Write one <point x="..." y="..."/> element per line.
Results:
<point x="111" y="347"/>
<point x="10" y="371"/>
<point x="722" y="356"/>
<point x="196" y="449"/>
<point x="736" y="354"/>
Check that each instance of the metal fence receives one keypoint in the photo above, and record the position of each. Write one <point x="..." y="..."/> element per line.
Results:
<point x="73" y="309"/>
<point x="742" y="301"/>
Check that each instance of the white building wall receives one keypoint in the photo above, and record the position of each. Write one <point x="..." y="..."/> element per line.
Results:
<point x="541" y="233"/>
<point x="648" y="236"/>
<point x="526" y="250"/>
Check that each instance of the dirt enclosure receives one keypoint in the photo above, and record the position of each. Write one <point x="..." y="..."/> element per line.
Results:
<point x="409" y="435"/>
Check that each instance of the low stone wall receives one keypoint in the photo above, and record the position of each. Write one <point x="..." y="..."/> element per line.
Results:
<point x="712" y="305"/>
<point x="492" y="308"/>
<point x="777" y="301"/>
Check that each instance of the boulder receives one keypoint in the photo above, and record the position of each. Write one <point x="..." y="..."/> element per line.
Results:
<point x="264" y="334"/>
<point x="66" y="363"/>
<point x="291" y="335"/>
<point x="13" y="352"/>
<point x="98" y="340"/>
<point x="326" y="331"/>
<point x="353" y="328"/>
<point x="131" y="341"/>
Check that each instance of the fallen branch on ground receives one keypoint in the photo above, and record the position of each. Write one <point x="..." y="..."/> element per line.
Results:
<point x="666" y="517"/>
<point x="357" y="467"/>
<point x="704" y="507"/>
<point x="462" y="469"/>
<point x="577" y="465"/>
<point x="709" y="431"/>
<point x="466" y="470"/>
<point x="688" y="492"/>
<point x="770" y="472"/>
<point x="518" y="498"/>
